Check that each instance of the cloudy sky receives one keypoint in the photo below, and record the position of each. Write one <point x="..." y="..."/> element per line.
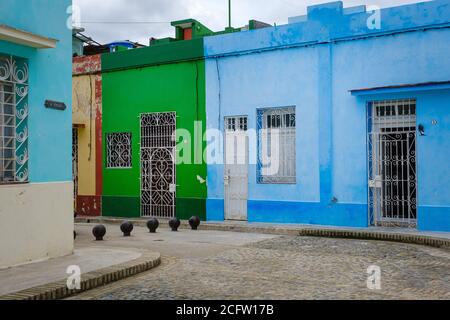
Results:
<point x="101" y="18"/>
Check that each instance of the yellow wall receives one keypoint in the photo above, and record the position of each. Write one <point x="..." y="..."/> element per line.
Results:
<point x="83" y="116"/>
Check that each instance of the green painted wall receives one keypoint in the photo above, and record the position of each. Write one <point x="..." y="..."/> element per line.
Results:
<point x="172" y="52"/>
<point x="157" y="87"/>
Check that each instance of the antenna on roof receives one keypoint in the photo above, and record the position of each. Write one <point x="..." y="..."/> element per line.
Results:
<point x="229" y="14"/>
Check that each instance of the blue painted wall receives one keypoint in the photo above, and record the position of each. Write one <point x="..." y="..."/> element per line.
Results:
<point x="50" y="131"/>
<point x="313" y="65"/>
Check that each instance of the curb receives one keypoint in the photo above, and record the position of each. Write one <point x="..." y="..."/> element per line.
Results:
<point x="402" y="237"/>
<point x="90" y="280"/>
<point x="380" y="236"/>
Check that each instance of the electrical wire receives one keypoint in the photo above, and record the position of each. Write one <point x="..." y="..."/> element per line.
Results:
<point x="125" y="22"/>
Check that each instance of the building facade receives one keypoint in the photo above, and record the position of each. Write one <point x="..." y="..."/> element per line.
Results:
<point x="148" y="93"/>
<point x="36" y="207"/>
<point x="87" y="134"/>
<point x="353" y="102"/>
<point x="153" y="125"/>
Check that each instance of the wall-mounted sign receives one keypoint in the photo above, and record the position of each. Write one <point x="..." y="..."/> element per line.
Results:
<point x="55" y="105"/>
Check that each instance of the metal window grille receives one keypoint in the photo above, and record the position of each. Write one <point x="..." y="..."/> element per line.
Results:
<point x="392" y="162"/>
<point x="13" y="119"/>
<point x="276" y="134"/>
<point x="158" y="186"/>
<point x="236" y="123"/>
<point x="118" y="150"/>
<point x="236" y="140"/>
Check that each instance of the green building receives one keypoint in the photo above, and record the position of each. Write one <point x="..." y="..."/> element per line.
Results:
<point x="147" y="94"/>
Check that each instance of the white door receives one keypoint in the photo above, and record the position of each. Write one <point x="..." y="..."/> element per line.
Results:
<point x="236" y="168"/>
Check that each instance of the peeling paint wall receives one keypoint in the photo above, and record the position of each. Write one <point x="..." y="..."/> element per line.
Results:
<point x="87" y="118"/>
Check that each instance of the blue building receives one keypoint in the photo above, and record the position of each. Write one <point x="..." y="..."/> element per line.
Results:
<point x="354" y="102"/>
<point x="36" y="189"/>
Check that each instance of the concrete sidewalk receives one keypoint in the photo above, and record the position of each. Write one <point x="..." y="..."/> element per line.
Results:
<point x="39" y="273"/>
<point x="98" y="265"/>
<point x="434" y="239"/>
<point x="182" y="244"/>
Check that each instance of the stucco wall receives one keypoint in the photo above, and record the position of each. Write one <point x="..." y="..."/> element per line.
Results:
<point x="313" y="65"/>
<point x="277" y="79"/>
<point x="84" y="115"/>
<point x="36" y="220"/>
<point x="87" y="118"/>
<point x="388" y="61"/>
<point x="172" y="87"/>
<point x="50" y="73"/>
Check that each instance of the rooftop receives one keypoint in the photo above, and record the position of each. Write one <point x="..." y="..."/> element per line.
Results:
<point x="331" y="22"/>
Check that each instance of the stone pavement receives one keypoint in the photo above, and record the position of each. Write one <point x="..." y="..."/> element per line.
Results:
<point x="230" y="265"/>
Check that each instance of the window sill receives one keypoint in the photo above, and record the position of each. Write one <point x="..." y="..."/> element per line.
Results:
<point x="12" y="183"/>
<point x="270" y="182"/>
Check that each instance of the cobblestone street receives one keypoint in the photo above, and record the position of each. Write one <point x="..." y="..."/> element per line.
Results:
<point x="289" y="268"/>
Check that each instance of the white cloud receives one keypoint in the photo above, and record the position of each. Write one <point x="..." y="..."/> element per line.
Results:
<point x="212" y="13"/>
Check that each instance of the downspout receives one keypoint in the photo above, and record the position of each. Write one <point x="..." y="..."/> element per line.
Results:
<point x="90" y="117"/>
<point x="219" y="93"/>
<point x="197" y="130"/>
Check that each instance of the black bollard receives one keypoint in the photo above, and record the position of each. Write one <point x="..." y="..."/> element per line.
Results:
<point x="174" y="223"/>
<point x="152" y="225"/>
<point x="194" y="222"/>
<point x="126" y="227"/>
<point x="99" y="232"/>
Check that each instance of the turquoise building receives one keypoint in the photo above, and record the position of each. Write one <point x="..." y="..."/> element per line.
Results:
<point x="36" y="190"/>
<point x="343" y="116"/>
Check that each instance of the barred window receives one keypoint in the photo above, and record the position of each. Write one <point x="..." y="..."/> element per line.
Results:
<point x="236" y="123"/>
<point x="118" y="150"/>
<point x="13" y="119"/>
<point x="276" y="145"/>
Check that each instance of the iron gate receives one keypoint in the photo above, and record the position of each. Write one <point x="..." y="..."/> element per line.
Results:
<point x="392" y="163"/>
<point x="158" y="164"/>
<point x="75" y="165"/>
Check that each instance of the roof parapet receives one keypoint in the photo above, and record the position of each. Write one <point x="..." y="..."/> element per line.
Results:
<point x="325" y="11"/>
<point x="331" y="22"/>
<point x="355" y="9"/>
